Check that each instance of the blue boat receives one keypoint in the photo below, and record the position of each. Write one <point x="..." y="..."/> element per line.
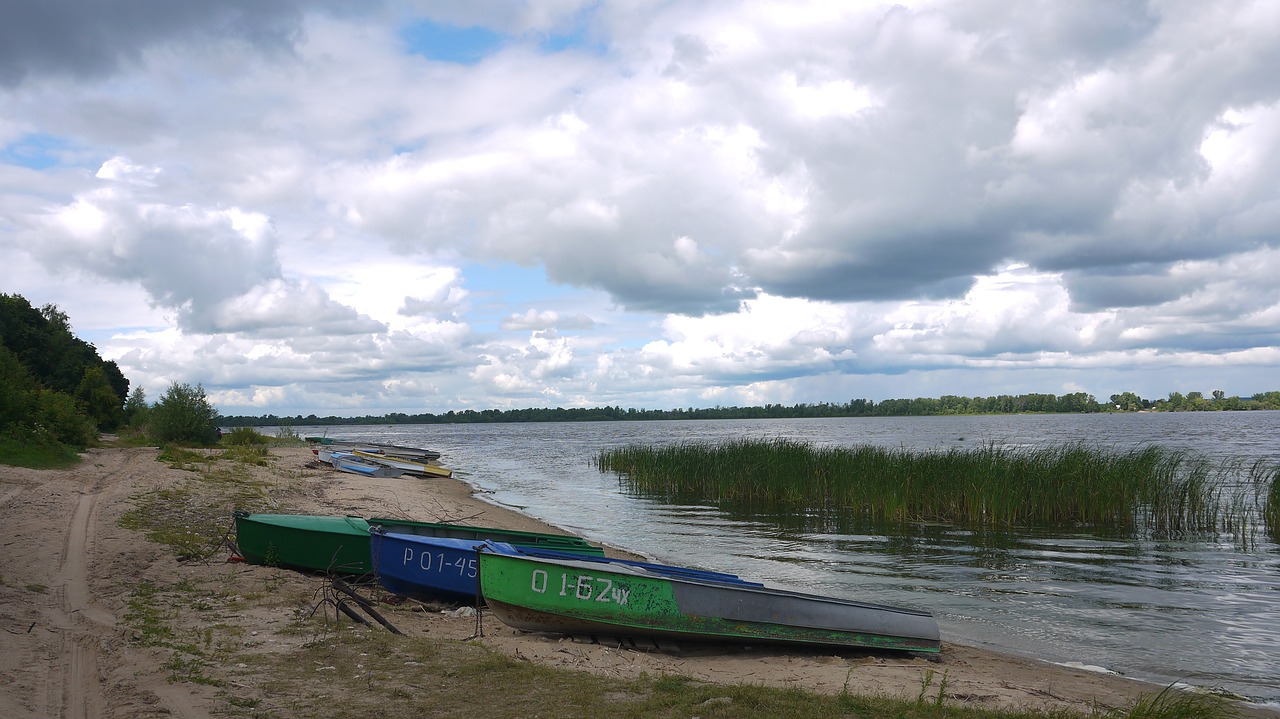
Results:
<point x="425" y="568"/>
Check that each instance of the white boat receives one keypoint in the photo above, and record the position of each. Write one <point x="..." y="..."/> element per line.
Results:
<point x="348" y="462"/>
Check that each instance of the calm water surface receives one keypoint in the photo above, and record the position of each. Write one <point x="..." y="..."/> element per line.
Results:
<point x="1204" y="610"/>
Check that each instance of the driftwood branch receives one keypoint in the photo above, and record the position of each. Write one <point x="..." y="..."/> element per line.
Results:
<point x="365" y="604"/>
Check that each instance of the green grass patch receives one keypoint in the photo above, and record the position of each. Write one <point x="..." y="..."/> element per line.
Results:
<point x="185" y="459"/>
<point x="144" y="617"/>
<point x="195" y="518"/>
<point x="155" y="615"/>
<point x="1150" y="489"/>
<point x="33" y="454"/>
<point x="241" y="436"/>
<point x="248" y="454"/>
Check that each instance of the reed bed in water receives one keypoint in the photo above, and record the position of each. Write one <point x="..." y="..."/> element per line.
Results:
<point x="1151" y="488"/>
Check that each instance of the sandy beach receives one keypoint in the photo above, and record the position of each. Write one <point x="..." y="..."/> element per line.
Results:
<point x="69" y="569"/>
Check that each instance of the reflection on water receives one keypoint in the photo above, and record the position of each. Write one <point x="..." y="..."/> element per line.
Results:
<point x="1200" y="609"/>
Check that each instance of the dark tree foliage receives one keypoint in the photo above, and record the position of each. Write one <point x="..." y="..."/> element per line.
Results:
<point x="31" y="414"/>
<point x="17" y="391"/>
<point x="44" y="344"/>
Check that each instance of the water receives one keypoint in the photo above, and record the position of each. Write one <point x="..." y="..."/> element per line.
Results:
<point x="1201" y="610"/>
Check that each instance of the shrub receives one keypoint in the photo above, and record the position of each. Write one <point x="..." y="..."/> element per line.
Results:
<point x="59" y="418"/>
<point x="184" y="414"/>
<point x="244" y="436"/>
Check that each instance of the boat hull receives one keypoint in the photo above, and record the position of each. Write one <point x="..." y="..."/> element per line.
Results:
<point x="425" y="568"/>
<point x="358" y="465"/>
<point x="568" y="597"/>
<point x="421" y="469"/>
<point x="413" y="453"/>
<point x="430" y="567"/>
<point x="341" y="544"/>
<point x="558" y="542"/>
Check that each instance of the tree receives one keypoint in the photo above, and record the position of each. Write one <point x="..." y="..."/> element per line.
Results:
<point x="136" y="409"/>
<point x="44" y="344"/>
<point x="60" y="419"/>
<point x="184" y="414"/>
<point x="1127" y="401"/>
<point x="99" y="400"/>
<point x="17" y="393"/>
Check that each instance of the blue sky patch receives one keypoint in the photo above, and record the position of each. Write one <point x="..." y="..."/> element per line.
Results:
<point x="499" y="290"/>
<point x="448" y="43"/>
<point x="36" y="151"/>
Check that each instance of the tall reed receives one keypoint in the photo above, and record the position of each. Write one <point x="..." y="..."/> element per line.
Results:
<point x="1271" y="504"/>
<point x="1149" y="488"/>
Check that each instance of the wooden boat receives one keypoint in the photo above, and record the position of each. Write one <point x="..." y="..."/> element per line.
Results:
<point x="420" y="469"/>
<point x="566" y="543"/>
<point x="354" y="464"/>
<point x="434" y="567"/>
<point x="341" y="544"/>
<point x="569" y="596"/>
<point x="426" y="568"/>
<point x="299" y="541"/>
<point x="395" y="450"/>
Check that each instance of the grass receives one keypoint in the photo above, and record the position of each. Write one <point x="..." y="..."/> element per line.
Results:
<point x="373" y="672"/>
<point x="194" y="518"/>
<point x="18" y="452"/>
<point x="1149" y="489"/>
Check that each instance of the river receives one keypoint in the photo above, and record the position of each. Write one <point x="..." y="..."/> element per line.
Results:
<point x="1199" y="610"/>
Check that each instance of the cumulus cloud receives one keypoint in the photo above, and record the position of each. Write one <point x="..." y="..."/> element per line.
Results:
<point x="737" y="200"/>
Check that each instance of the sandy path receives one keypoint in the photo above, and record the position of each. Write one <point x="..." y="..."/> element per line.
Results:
<point x="67" y="566"/>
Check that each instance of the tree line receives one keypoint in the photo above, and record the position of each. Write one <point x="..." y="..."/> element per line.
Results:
<point x="57" y="393"/>
<point x="1074" y="403"/>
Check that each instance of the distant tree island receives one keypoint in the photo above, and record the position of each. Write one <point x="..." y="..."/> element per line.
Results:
<point x="1076" y="403"/>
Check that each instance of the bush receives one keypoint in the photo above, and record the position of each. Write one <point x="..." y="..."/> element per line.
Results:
<point x="136" y="409"/>
<point x="184" y="414"/>
<point x="244" y="436"/>
<point x="59" y="418"/>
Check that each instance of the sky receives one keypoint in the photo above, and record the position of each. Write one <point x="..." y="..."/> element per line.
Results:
<point x="332" y="208"/>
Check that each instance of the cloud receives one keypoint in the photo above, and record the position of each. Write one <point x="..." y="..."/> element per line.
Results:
<point x="547" y="320"/>
<point x="705" y="202"/>
<point x="91" y="39"/>
<point x="216" y="267"/>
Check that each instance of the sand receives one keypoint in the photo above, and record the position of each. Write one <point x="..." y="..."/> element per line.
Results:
<point x="68" y="567"/>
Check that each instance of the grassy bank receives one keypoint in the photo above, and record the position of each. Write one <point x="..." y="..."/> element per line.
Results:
<point x="1151" y="489"/>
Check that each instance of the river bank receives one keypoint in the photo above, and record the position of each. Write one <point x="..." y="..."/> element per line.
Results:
<point x="70" y="586"/>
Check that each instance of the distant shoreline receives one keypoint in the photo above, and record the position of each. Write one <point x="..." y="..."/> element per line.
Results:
<point x="946" y="406"/>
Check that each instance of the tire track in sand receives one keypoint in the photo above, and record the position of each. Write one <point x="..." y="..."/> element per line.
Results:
<point x="77" y="692"/>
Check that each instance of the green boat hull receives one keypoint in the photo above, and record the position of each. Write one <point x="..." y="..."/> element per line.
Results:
<point x="567" y="597"/>
<point x="340" y="545"/>
<point x="320" y="544"/>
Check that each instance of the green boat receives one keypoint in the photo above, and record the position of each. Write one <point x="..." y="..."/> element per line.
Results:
<point x="341" y="544"/>
<point x="567" y="596"/>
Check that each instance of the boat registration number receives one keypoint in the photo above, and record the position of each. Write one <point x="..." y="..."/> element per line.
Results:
<point x="440" y="564"/>
<point x="583" y="587"/>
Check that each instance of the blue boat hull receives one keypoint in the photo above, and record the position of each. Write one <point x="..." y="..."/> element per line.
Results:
<point x="426" y="568"/>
